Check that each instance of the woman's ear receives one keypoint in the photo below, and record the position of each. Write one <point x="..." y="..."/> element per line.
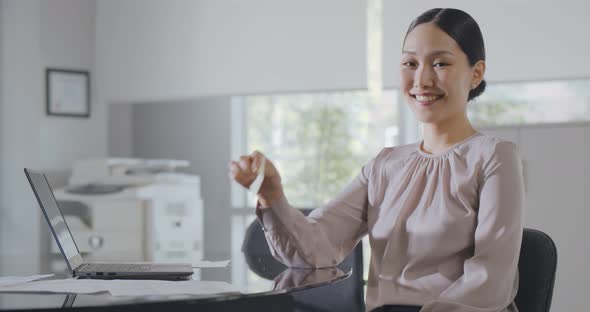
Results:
<point x="479" y="70"/>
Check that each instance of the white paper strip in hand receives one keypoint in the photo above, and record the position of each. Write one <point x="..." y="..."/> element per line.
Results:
<point x="255" y="186"/>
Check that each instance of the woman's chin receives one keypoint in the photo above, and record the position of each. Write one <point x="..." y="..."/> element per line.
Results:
<point x="425" y="117"/>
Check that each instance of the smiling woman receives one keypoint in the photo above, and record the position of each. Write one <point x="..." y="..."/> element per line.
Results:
<point x="443" y="216"/>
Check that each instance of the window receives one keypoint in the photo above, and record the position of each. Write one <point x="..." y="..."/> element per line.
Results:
<point x="319" y="141"/>
<point x="532" y="103"/>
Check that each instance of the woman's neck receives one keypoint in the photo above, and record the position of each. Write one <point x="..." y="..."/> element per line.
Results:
<point x="439" y="137"/>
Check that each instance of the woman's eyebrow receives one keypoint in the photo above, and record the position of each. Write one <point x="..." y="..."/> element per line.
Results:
<point x="436" y="52"/>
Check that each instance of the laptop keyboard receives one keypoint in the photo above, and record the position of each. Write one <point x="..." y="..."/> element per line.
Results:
<point x="115" y="267"/>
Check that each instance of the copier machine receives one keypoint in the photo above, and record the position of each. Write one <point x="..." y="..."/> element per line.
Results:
<point x="123" y="209"/>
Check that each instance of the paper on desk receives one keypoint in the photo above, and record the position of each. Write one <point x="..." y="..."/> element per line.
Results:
<point x="69" y="285"/>
<point x="12" y="280"/>
<point x="125" y="287"/>
<point x="210" y="264"/>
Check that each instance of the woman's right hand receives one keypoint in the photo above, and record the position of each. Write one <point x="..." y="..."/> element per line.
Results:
<point x="245" y="170"/>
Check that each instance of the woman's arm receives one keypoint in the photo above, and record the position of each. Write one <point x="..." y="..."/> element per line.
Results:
<point x="326" y="236"/>
<point x="490" y="278"/>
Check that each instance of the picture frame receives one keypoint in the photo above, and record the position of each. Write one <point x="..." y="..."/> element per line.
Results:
<point x="67" y="92"/>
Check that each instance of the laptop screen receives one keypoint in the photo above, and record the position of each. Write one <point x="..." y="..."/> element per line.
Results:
<point x="55" y="219"/>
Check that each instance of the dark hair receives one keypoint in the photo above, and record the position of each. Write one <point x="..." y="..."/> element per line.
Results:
<point x="463" y="29"/>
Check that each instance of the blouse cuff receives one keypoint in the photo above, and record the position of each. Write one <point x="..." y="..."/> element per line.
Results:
<point x="269" y="216"/>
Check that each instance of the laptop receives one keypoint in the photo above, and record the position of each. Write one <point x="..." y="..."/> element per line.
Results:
<point x="74" y="261"/>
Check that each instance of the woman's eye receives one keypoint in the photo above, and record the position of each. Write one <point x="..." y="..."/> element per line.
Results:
<point x="409" y="64"/>
<point x="440" y="64"/>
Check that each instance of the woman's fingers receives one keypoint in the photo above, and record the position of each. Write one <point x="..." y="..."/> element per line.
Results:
<point x="234" y="169"/>
<point x="236" y="173"/>
<point x="245" y="163"/>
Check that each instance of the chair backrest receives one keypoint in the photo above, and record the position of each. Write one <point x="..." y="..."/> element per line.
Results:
<point x="537" y="267"/>
<point x="347" y="295"/>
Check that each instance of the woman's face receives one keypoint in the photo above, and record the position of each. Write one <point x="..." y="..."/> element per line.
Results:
<point x="435" y="74"/>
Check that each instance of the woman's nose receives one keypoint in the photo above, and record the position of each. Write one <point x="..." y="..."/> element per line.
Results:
<point x="423" y="77"/>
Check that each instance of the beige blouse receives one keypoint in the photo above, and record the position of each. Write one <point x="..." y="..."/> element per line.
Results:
<point x="445" y="230"/>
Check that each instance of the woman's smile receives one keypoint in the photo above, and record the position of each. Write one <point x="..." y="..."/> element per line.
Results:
<point x="426" y="99"/>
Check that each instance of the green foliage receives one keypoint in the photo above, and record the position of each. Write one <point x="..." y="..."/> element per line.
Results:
<point x="319" y="142"/>
<point x="497" y="112"/>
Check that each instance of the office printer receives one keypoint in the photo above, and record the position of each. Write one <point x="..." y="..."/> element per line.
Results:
<point x="123" y="209"/>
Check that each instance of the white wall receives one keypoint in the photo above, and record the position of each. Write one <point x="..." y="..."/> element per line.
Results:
<point x="162" y="50"/>
<point x="153" y="50"/>
<point x="557" y="169"/>
<point x="1" y="114"/>
<point x="21" y="109"/>
<point x="525" y="39"/>
<point x="120" y="137"/>
<point x="35" y="35"/>
<point x="68" y="40"/>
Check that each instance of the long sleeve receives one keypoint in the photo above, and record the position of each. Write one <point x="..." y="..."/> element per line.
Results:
<point x="327" y="235"/>
<point x="490" y="277"/>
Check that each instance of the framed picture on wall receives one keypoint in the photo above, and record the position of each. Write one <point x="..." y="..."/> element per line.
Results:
<point x="68" y="92"/>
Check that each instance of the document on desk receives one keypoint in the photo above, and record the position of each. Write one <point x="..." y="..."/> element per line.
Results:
<point x="12" y="280"/>
<point x="124" y="287"/>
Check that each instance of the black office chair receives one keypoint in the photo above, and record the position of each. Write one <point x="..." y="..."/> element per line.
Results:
<point x="537" y="267"/>
<point x="347" y="295"/>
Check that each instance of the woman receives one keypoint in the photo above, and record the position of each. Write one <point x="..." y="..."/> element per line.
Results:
<point x="444" y="216"/>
